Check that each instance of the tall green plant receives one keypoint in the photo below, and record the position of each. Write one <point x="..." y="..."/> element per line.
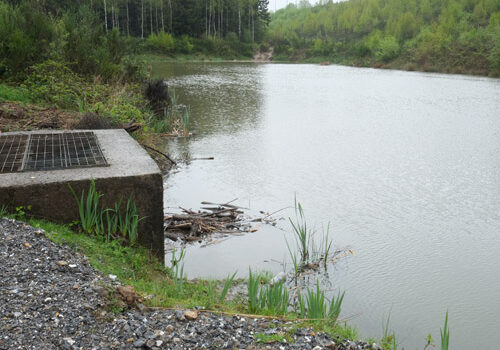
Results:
<point x="88" y="208"/>
<point x="445" y="334"/>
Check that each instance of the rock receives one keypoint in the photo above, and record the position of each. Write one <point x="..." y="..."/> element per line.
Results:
<point x="112" y="277"/>
<point x="317" y="347"/>
<point x="139" y="343"/>
<point x="127" y="294"/>
<point x="180" y="315"/>
<point x="177" y="340"/>
<point x="169" y="329"/>
<point x="27" y="245"/>
<point x="331" y="345"/>
<point x="68" y="343"/>
<point x="129" y="340"/>
<point x="62" y="263"/>
<point x="191" y="315"/>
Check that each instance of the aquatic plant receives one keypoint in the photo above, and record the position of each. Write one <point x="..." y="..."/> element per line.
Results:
<point x="253" y="291"/>
<point x="445" y="334"/>
<point x="302" y="232"/>
<point x="178" y="271"/>
<point x="273" y="299"/>
<point x="315" y="306"/>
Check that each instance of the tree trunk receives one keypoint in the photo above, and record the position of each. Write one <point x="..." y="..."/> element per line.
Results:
<point x="128" y="20"/>
<point x="162" y="20"/>
<point x="239" y="20"/>
<point x="156" y="17"/>
<point x="151" y="14"/>
<point x="105" y="17"/>
<point x="142" y="19"/>
<point x="113" y="14"/>
<point x="170" y="14"/>
<point x="117" y="15"/>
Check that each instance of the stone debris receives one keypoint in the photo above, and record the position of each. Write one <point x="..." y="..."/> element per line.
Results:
<point x="42" y="307"/>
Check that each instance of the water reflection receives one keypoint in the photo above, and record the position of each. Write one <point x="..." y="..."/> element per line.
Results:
<point x="404" y="165"/>
<point x="222" y="99"/>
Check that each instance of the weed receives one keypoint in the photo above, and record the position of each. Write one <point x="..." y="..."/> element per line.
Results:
<point x="3" y="211"/>
<point x="227" y="284"/>
<point x="271" y="338"/>
<point x="22" y="211"/>
<point x="253" y="292"/>
<point x="106" y="223"/>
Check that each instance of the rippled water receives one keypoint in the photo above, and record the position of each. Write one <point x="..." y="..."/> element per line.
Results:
<point x="405" y="166"/>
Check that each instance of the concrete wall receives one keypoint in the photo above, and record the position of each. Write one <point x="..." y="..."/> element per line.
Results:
<point x="131" y="170"/>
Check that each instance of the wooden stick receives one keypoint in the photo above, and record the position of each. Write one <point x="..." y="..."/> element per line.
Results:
<point x="163" y="154"/>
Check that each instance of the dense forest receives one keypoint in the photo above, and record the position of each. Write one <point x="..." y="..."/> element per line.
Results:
<point x="461" y="36"/>
<point x="92" y="36"/>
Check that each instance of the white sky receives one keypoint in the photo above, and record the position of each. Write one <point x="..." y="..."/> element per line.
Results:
<point x="282" y="3"/>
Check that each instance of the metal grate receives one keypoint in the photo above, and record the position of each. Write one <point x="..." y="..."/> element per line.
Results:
<point x="12" y="149"/>
<point x="50" y="151"/>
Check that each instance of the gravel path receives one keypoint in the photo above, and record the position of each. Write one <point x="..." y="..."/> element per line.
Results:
<point x="51" y="298"/>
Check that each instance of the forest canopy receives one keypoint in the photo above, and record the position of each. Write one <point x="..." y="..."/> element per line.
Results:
<point x="442" y="35"/>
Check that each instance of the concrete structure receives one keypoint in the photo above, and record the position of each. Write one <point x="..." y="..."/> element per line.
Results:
<point x="130" y="170"/>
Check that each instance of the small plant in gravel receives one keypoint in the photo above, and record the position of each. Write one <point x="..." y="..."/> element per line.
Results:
<point x="272" y="338"/>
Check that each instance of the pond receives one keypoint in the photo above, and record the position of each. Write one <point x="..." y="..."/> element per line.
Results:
<point x="405" y="167"/>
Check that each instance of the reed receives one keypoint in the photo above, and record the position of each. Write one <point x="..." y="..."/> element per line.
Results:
<point x="225" y="289"/>
<point x="445" y="334"/>
<point x="253" y="292"/>
<point x="106" y="223"/>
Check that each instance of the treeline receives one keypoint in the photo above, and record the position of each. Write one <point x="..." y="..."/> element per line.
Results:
<point x="461" y="36"/>
<point x="93" y="36"/>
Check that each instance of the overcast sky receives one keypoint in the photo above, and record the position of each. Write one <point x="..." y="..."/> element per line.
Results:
<point x="282" y="3"/>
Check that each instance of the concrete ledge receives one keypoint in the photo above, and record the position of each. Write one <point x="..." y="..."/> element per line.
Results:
<point x="130" y="170"/>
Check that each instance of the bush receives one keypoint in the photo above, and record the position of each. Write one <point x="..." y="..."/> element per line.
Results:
<point x="55" y="83"/>
<point x="388" y="49"/>
<point x="161" y="42"/>
<point x="183" y="44"/>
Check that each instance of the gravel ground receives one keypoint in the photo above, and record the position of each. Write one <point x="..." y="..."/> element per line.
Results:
<point x="51" y="298"/>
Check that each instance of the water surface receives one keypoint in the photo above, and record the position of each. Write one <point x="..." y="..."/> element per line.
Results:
<point x="405" y="166"/>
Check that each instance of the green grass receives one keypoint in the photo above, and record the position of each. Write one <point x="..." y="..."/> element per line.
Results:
<point x="14" y="94"/>
<point x="273" y="338"/>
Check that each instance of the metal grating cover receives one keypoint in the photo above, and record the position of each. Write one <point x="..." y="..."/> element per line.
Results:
<point x="12" y="149"/>
<point x="52" y="151"/>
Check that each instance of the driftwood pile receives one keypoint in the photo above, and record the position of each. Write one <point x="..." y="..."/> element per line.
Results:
<point x="192" y="226"/>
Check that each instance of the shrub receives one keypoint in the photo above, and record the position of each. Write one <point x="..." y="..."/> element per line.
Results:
<point x="161" y="42"/>
<point x="55" y="83"/>
<point x="388" y="49"/>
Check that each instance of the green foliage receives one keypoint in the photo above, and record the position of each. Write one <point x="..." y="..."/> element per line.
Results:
<point x="161" y="42"/>
<point x="270" y="299"/>
<point x="106" y="223"/>
<point x="272" y="338"/>
<point x="388" y="49"/>
<point x="55" y="83"/>
<point x="14" y="94"/>
<point x="22" y="212"/>
<point x="445" y="334"/>
<point x="3" y="211"/>
<point x="455" y="35"/>
<point x="314" y="305"/>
